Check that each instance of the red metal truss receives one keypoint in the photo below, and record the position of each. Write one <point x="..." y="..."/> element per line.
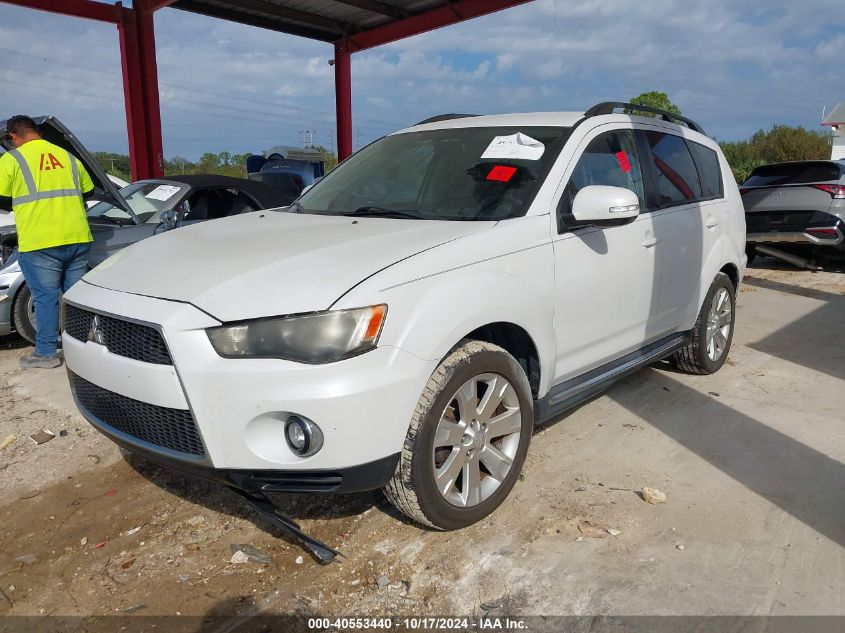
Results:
<point x="140" y="78"/>
<point x="453" y="13"/>
<point x="75" y="8"/>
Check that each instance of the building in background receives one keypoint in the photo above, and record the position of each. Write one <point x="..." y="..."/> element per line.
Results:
<point x="836" y="121"/>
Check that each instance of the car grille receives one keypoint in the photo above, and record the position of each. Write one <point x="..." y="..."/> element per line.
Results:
<point x="169" y="428"/>
<point x="124" y="338"/>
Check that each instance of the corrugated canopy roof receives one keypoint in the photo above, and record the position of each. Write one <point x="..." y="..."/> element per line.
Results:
<point x="836" y="116"/>
<point x="325" y="20"/>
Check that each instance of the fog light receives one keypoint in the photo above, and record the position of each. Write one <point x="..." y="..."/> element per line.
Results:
<point x="303" y="436"/>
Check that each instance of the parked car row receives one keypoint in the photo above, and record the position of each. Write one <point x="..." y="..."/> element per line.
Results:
<point x="409" y="319"/>
<point x="124" y="216"/>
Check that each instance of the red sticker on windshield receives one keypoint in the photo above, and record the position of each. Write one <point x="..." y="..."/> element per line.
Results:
<point x="624" y="163"/>
<point x="501" y="173"/>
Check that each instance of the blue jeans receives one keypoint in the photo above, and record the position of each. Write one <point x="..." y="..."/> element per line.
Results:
<point x="49" y="272"/>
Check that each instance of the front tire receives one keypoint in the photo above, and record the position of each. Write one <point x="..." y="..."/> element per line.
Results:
<point x="713" y="331"/>
<point x="467" y="440"/>
<point x="23" y="315"/>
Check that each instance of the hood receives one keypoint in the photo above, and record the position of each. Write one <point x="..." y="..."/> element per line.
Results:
<point x="54" y="131"/>
<point x="270" y="263"/>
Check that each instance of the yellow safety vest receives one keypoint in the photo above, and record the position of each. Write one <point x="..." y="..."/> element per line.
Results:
<point x="46" y="183"/>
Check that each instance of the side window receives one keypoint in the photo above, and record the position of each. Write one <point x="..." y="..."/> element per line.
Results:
<point x="674" y="170"/>
<point x="709" y="171"/>
<point x="197" y="206"/>
<point x="610" y="159"/>
<point x="241" y="203"/>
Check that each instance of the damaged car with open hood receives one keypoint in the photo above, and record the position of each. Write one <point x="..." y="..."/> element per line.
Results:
<point x="122" y="216"/>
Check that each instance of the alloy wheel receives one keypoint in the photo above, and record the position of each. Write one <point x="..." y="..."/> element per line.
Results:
<point x="719" y="323"/>
<point x="476" y="440"/>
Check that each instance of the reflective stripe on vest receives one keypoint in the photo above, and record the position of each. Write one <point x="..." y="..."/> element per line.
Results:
<point x="34" y="194"/>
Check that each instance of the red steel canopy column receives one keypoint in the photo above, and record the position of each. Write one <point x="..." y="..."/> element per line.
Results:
<point x="455" y="11"/>
<point x="140" y="77"/>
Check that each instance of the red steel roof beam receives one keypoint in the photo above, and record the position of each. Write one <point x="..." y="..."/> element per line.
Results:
<point x="112" y="13"/>
<point x="453" y="13"/>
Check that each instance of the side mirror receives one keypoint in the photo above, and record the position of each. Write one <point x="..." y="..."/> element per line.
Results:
<point x="600" y="205"/>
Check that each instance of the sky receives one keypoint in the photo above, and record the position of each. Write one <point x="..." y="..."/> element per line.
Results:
<point x="735" y="67"/>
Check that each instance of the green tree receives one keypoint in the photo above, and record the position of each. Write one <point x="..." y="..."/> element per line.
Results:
<point x="114" y="164"/>
<point x="783" y="143"/>
<point x="209" y="163"/>
<point x="741" y="157"/>
<point x="654" y="99"/>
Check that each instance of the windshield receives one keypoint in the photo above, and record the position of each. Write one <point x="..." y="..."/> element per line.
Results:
<point x="483" y="173"/>
<point x="145" y="198"/>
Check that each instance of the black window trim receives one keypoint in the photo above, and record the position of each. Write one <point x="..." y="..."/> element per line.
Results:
<point x="562" y="227"/>
<point x="644" y="147"/>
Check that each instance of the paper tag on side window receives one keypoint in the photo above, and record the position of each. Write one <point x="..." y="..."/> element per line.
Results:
<point x="162" y="192"/>
<point x="518" y="146"/>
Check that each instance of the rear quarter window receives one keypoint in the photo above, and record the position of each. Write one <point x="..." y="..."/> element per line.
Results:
<point x="793" y="174"/>
<point x="709" y="172"/>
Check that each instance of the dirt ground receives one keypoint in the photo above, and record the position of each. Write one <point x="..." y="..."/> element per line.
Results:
<point x="751" y="460"/>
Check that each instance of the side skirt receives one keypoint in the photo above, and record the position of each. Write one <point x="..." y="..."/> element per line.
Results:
<point x="574" y="391"/>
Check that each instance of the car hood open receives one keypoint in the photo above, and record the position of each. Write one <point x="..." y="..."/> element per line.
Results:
<point x="57" y="133"/>
<point x="270" y="263"/>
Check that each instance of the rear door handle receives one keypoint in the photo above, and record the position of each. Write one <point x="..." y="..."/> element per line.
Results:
<point x="650" y="241"/>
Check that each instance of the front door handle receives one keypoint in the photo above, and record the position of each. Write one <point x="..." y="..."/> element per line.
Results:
<point x="650" y="241"/>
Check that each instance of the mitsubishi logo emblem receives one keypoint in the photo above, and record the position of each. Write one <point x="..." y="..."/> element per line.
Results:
<point x="95" y="334"/>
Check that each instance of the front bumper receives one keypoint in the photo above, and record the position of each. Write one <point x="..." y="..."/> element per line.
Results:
<point x="363" y="405"/>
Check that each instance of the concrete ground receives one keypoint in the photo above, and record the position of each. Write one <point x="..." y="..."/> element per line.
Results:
<point x="752" y="461"/>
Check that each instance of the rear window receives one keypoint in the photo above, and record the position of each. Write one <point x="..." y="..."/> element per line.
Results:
<point x="793" y="174"/>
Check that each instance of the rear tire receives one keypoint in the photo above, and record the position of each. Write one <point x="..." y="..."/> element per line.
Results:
<point x="467" y="440"/>
<point x="23" y="315"/>
<point x="713" y="330"/>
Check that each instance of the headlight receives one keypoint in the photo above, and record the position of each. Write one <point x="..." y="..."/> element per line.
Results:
<point x="322" y="337"/>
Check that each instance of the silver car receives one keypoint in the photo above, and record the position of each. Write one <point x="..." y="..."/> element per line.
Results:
<point x="798" y="205"/>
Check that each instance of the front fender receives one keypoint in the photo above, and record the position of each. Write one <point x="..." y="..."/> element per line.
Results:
<point x="428" y="315"/>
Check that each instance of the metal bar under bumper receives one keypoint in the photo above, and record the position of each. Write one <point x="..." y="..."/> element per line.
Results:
<point x="265" y="507"/>
<point x="797" y="237"/>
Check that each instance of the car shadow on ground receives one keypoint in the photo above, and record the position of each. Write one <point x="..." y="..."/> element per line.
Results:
<point x="218" y="498"/>
<point x="791" y="475"/>
<point x="811" y="340"/>
<point x="13" y="341"/>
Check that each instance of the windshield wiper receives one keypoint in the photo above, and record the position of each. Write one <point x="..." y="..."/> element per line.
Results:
<point x="387" y="213"/>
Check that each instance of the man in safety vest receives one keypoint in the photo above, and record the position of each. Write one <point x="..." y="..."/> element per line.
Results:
<point x="45" y="185"/>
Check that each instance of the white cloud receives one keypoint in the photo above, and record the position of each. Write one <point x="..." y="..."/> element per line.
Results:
<point x="735" y="67"/>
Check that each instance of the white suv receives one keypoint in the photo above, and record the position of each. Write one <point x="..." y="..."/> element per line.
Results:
<point x="408" y="322"/>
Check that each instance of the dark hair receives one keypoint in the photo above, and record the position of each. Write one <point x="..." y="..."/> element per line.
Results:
<point x="19" y="124"/>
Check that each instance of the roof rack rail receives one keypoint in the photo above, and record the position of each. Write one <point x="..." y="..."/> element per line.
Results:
<point x="444" y="117"/>
<point x="608" y="107"/>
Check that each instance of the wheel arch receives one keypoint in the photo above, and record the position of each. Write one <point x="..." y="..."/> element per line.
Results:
<point x="515" y="340"/>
